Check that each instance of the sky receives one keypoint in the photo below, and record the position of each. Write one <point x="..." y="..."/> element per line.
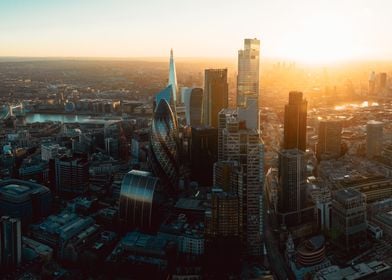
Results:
<point x="313" y="31"/>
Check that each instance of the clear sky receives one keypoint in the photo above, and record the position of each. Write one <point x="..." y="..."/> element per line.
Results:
<point x="302" y="30"/>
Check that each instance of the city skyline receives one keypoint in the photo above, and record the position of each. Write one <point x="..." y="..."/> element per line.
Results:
<point x="304" y="31"/>
<point x="118" y="161"/>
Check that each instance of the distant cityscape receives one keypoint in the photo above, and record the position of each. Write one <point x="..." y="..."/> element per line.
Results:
<point x="195" y="170"/>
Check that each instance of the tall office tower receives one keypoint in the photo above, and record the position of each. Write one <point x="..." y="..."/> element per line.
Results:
<point x="248" y="72"/>
<point x="224" y="214"/>
<point x="329" y="139"/>
<point x="138" y="200"/>
<point x="372" y="83"/>
<point x="10" y="242"/>
<point x="72" y="174"/>
<point x="223" y="243"/>
<point x="164" y="145"/>
<point x="203" y="153"/>
<point x="173" y="77"/>
<point x="349" y="224"/>
<point x="292" y="175"/>
<point x="222" y="119"/>
<point x="193" y="101"/>
<point x="374" y="138"/>
<point x="295" y="122"/>
<point x="216" y="96"/>
<point x="383" y="81"/>
<point x="225" y="175"/>
<point x="245" y="146"/>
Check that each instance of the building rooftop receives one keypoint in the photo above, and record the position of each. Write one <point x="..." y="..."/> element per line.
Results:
<point x="347" y="194"/>
<point x="182" y="225"/>
<point x="373" y="122"/>
<point x="17" y="191"/>
<point x="189" y="204"/>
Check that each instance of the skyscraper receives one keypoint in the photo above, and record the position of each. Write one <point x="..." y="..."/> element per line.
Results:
<point x="224" y="214"/>
<point x="248" y="72"/>
<point x="295" y="114"/>
<point x="168" y="94"/>
<point x="193" y="101"/>
<point x="292" y="175"/>
<point x="203" y="153"/>
<point x="383" y="81"/>
<point x="372" y="83"/>
<point x="245" y="146"/>
<point x="164" y="145"/>
<point x="10" y="242"/>
<point x="173" y="77"/>
<point x="225" y="175"/>
<point x="329" y="138"/>
<point x="374" y="138"/>
<point x="215" y="95"/>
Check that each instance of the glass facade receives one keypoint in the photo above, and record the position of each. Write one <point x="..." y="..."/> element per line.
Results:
<point x="173" y="77"/>
<point x="248" y="72"/>
<point x="137" y="199"/>
<point x="164" y="144"/>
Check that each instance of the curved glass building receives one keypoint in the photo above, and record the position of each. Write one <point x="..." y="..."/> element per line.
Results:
<point x="193" y="101"/>
<point x="137" y="198"/>
<point x="164" y="145"/>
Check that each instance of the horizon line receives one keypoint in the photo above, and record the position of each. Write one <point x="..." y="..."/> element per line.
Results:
<point x="164" y="58"/>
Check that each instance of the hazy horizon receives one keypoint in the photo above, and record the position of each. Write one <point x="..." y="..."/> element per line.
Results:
<point x="302" y="31"/>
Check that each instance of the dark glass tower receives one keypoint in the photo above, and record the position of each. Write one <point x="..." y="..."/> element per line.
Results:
<point x="295" y="122"/>
<point x="195" y="106"/>
<point x="216" y="95"/>
<point x="292" y="175"/>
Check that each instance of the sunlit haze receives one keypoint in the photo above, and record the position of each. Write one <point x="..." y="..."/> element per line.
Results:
<point x="303" y="30"/>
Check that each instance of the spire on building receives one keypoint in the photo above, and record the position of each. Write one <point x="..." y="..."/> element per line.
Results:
<point x="173" y="76"/>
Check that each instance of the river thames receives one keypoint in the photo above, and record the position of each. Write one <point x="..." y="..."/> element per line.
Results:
<point x="31" y="118"/>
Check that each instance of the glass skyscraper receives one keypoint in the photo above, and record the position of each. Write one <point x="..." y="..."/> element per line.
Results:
<point x="243" y="145"/>
<point x="193" y="101"/>
<point x="248" y="72"/>
<point x="173" y="76"/>
<point x="164" y="144"/>
<point x="216" y="95"/>
<point x="295" y="114"/>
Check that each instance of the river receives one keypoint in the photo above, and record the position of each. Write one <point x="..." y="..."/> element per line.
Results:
<point x="36" y="117"/>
